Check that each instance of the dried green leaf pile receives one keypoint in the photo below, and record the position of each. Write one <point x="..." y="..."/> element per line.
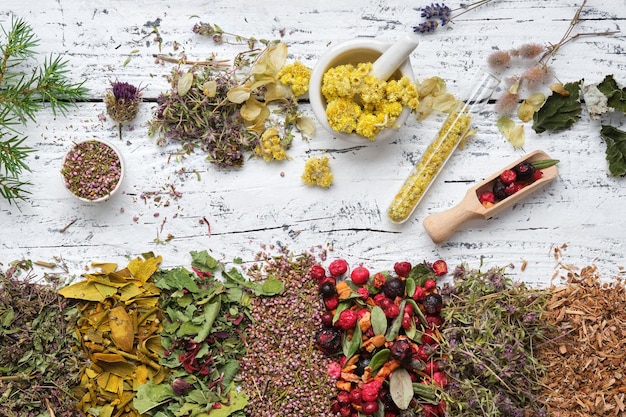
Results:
<point x="39" y="362"/>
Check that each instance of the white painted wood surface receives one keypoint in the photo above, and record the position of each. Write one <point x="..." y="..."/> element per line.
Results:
<point x="268" y="203"/>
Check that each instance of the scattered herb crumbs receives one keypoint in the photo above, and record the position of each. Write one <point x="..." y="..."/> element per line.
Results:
<point x="39" y="365"/>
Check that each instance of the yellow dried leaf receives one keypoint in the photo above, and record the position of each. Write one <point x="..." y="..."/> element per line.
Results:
<point x="83" y="290"/>
<point x="121" y="369"/>
<point x="108" y="357"/>
<point x="143" y="269"/>
<point x="251" y="110"/>
<point x="559" y="89"/>
<point x="306" y="125"/>
<point x="141" y="374"/>
<point x="444" y="103"/>
<point x="209" y="88"/>
<point x="512" y="132"/>
<point x="102" y="380"/>
<point x="130" y="291"/>
<point x="536" y="99"/>
<point x="525" y="112"/>
<point x="90" y="373"/>
<point x="432" y="86"/>
<point x="105" y="267"/>
<point x="276" y="92"/>
<point x="122" y="331"/>
<point x="238" y="94"/>
<point x="184" y="83"/>
<point x="106" y="410"/>
<point x="115" y="384"/>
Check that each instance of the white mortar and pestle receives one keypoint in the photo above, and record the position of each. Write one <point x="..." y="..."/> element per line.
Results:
<point x="389" y="61"/>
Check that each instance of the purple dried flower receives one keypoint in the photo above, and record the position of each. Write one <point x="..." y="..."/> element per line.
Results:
<point x="125" y="91"/>
<point x="122" y="101"/>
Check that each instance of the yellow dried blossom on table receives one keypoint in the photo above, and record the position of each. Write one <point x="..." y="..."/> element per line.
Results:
<point x="317" y="172"/>
<point x="272" y="147"/>
<point x="296" y="76"/>
<point x="358" y="102"/>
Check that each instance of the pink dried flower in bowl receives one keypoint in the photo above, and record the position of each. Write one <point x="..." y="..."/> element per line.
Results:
<point x="93" y="170"/>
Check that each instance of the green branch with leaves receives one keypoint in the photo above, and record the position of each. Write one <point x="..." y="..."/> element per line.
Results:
<point x="23" y="93"/>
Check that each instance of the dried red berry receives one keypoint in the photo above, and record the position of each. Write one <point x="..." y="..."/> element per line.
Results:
<point x="391" y="311"/>
<point x="318" y="272"/>
<point x="331" y="303"/>
<point x="338" y="267"/>
<point x="419" y="293"/>
<point x="355" y="396"/>
<point x="360" y="275"/>
<point x="508" y="176"/>
<point x="440" y="378"/>
<point x="429" y="284"/>
<point x="370" y="407"/>
<point x="379" y="280"/>
<point x="537" y="175"/>
<point x="401" y="350"/>
<point x="327" y="319"/>
<point x="328" y="341"/>
<point x="402" y="268"/>
<point x="347" y="319"/>
<point x="440" y="267"/>
<point x="343" y="397"/>
<point x="487" y="197"/>
<point x="370" y="390"/>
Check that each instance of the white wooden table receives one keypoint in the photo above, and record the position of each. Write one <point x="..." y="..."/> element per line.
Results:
<point x="268" y="203"/>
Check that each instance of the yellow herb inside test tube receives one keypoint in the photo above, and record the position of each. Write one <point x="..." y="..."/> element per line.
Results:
<point x="451" y="134"/>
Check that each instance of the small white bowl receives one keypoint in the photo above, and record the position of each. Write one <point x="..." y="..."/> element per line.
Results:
<point x="354" y="51"/>
<point x="67" y="177"/>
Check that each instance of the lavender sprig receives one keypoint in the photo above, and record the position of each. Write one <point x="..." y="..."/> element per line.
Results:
<point x="439" y="14"/>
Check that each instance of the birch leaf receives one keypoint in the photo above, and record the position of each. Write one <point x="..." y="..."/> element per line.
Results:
<point x="379" y="320"/>
<point x="401" y="388"/>
<point x="184" y="83"/>
<point x="559" y="112"/>
<point x="379" y="359"/>
<point x="615" y="149"/>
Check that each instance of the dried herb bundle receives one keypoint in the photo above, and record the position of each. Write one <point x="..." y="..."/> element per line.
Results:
<point x="491" y="328"/>
<point x="585" y="359"/>
<point x="39" y="364"/>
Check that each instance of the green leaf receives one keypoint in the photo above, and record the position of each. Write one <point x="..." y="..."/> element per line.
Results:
<point x="615" y="149"/>
<point x="379" y="320"/>
<point x="401" y="388"/>
<point x="355" y="343"/>
<point x="379" y="359"/>
<point x="203" y="261"/>
<point x="396" y="324"/>
<point x="211" y="311"/>
<point x="559" y="112"/>
<point x="151" y="395"/>
<point x="271" y="286"/>
<point x="420" y="273"/>
<point x="616" y="96"/>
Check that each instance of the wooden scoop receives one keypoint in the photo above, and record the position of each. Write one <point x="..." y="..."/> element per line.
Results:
<point x="440" y="226"/>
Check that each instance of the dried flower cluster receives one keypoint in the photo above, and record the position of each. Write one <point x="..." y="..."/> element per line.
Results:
<point x="317" y="172"/>
<point x="284" y="374"/>
<point x="92" y="170"/>
<point x="231" y="106"/>
<point x="358" y="102"/>
<point x="437" y="14"/>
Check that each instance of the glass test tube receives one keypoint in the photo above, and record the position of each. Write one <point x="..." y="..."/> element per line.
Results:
<point x="441" y="148"/>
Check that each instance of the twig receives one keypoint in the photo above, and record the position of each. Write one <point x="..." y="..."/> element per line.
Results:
<point x="63" y="229"/>
<point x="184" y="61"/>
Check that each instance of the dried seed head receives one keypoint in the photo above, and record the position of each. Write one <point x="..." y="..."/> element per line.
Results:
<point x="122" y="101"/>
<point x="530" y="50"/>
<point x="499" y="60"/>
<point x="535" y="76"/>
<point x="507" y="103"/>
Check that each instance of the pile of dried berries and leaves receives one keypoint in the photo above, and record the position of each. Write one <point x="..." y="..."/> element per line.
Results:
<point x="229" y="111"/>
<point x="118" y="324"/>
<point x="491" y="327"/>
<point x="584" y="356"/>
<point x="39" y="364"/>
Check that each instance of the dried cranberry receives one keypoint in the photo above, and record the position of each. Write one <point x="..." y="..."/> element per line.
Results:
<point x="328" y="340"/>
<point x="487" y="197"/>
<point x="419" y="293"/>
<point x="508" y="176"/>
<point x="355" y="396"/>
<point x="360" y="275"/>
<point x="391" y="311"/>
<point x="370" y="407"/>
<point x="327" y="319"/>
<point x="429" y="284"/>
<point x="318" y="272"/>
<point x="331" y="303"/>
<point x="440" y="267"/>
<point x="347" y="319"/>
<point x="402" y="268"/>
<point x="338" y="267"/>
<point x="343" y="397"/>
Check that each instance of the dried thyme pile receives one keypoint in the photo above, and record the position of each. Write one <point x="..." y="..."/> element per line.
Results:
<point x="39" y="363"/>
<point x="492" y="326"/>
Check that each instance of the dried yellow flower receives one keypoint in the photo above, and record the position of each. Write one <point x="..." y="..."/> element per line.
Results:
<point x="296" y="76"/>
<point x="317" y="172"/>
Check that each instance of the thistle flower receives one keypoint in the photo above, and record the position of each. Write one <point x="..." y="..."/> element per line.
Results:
<point x="122" y="101"/>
